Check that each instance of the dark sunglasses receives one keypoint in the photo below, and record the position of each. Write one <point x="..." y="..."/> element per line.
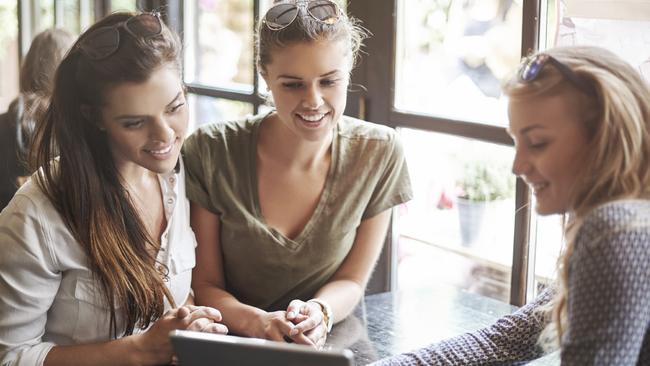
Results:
<point x="532" y="66"/>
<point x="105" y="41"/>
<point x="282" y="15"/>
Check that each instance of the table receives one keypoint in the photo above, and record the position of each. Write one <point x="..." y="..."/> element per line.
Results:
<point x="394" y="322"/>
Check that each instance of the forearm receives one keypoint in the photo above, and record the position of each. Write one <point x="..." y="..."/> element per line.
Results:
<point x="342" y="295"/>
<point x="241" y="319"/>
<point x="122" y="351"/>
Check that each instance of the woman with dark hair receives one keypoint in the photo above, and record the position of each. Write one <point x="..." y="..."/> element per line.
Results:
<point x="17" y="124"/>
<point x="97" y="248"/>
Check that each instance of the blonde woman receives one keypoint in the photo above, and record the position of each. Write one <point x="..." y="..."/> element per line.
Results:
<point x="580" y="119"/>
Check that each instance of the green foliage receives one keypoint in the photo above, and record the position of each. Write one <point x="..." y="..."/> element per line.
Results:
<point x="484" y="180"/>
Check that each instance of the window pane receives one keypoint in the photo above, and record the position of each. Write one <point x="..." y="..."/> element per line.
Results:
<point x="124" y="5"/>
<point x="8" y="52"/>
<point x="466" y="242"/>
<point x="452" y="54"/>
<point x="219" y="43"/>
<point x="546" y="241"/>
<point x="78" y="15"/>
<point x="44" y="15"/>
<point x="622" y="26"/>
<point x="207" y="110"/>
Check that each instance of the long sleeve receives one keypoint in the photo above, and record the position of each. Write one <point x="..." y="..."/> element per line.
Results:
<point x="28" y="284"/>
<point x="510" y="340"/>
<point x="609" y="289"/>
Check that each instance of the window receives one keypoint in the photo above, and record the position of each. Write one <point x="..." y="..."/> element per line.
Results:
<point x="454" y="54"/>
<point x="219" y="47"/>
<point x="124" y="5"/>
<point x="207" y="109"/>
<point x="8" y="52"/>
<point x="458" y="228"/>
<point x="75" y="15"/>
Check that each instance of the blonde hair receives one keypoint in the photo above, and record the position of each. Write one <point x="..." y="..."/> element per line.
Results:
<point x="617" y="121"/>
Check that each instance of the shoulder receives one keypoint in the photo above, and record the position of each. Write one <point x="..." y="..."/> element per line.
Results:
<point x="617" y="216"/>
<point x="221" y="131"/>
<point x="368" y="139"/>
<point x="30" y="197"/>
<point x="356" y="129"/>
<point x="618" y="229"/>
<point x="31" y="218"/>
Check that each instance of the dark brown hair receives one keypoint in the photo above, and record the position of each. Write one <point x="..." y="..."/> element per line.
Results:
<point x="84" y="184"/>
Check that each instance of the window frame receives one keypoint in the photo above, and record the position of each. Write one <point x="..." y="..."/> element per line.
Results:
<point x="377" y="104"/>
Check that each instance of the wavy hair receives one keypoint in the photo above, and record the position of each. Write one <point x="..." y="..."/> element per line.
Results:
<point x="617" y="121"/>
<point x="84" y="184"/>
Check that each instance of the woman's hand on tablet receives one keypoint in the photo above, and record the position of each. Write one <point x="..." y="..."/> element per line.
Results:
<point x="153" y="346"/>
<point x="276" y="327"/>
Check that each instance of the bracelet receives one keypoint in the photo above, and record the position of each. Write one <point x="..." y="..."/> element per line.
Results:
<point x="327" y="313"/>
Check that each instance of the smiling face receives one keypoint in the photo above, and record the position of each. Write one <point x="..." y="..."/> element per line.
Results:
<point x="146" y="123"/>
<point x="309" y="83"/>
<point x="551" y="146"/>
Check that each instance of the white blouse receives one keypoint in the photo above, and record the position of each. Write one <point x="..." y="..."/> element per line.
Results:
<point x="47" y="294"/>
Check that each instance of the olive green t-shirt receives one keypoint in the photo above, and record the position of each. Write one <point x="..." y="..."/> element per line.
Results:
<point x="262" y="267"/>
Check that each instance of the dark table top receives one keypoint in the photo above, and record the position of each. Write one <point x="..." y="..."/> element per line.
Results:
<point x="390" y="323"/>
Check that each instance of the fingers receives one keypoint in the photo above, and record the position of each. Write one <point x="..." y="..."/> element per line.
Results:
<point x="197" y="312"/>
<point x="206" y="325"/>
<point x="303" y="339"/>
<point x="182" y="312"/>
<point x="294" y="309"/>
<point x="216" y="328"/>
<point x="314" y="317"/>
<point x="318" y="335"/>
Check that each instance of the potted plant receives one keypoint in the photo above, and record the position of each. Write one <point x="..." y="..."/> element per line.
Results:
<point x="480" y="182"/>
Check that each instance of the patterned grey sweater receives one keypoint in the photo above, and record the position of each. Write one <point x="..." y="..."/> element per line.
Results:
<point x="608" y="304"/>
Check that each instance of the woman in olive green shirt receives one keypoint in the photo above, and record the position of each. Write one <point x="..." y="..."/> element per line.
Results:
<point x="291" y="207"/>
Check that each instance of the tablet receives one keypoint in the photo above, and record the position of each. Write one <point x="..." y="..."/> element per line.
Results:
<point x="195" y="348"/>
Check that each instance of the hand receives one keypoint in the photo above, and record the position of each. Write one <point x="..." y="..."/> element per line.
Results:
<point x="207" y="324"/>
<point x="309" y="321"/>
<point x="275" y="326"/>
<point x="154" y="345"/>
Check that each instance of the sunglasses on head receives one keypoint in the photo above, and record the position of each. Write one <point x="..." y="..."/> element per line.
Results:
<point x="282" y="15"/>
<point x="105" y="41"/>
<point x="532" y="67"/>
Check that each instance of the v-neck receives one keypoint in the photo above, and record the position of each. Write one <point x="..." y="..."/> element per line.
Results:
<point x="322" y="200"/>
